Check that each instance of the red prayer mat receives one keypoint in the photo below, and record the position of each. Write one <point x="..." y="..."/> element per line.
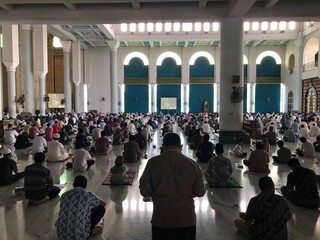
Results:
<point x="130" y="174"/>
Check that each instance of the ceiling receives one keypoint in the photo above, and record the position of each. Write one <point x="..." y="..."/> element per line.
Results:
<point x="95" y="22"/>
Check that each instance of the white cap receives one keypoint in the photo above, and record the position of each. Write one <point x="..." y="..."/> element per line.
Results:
<point x="56" y="136"/>
<point x="6" y="151"/>
<point x="41" y="131"/>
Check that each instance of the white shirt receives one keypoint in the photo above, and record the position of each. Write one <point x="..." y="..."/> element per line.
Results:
<point x="206" y="128"/>
<point x="96" y="133"/>
<point x="56" y="151"/>
<point x="132" y="129"/>
<point x="80" y="158"/>
<point x="39" y="144"/>
<point x="303" y="132"/>
<point x="10" y="136"/>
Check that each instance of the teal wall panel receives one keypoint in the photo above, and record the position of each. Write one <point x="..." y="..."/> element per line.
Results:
<point x="136" y="98"/>
<point x="136" y="69"/>
<point x="197" y="93"/>
<point x="169" y="69"/>
<point x="267" y="98"/>
<point x="201" y="68"/>
<point x="169" y="90"/>
<point x="268" y="68"/>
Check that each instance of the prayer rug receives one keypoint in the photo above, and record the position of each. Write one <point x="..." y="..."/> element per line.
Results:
<point x="130" y="174"/>
<point x="232" y="183"/>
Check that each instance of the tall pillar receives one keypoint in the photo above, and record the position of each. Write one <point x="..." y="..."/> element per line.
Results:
<point x="76" y="73"/>
<point x="67" y="84"/>
<point x="217" y="76"/>
<point x="298" y="100"/>
<point x="11" y="61"/>
<point x="231" y="72"/>
<point x="27" y="68"/>
<point x="41" y="63"/>
<point x="87" y="78"/>
<point x="252" y="78"/>
<point x="185" y="73"/>
<point x="153" y="78"/>
<point x="113" y="75"/>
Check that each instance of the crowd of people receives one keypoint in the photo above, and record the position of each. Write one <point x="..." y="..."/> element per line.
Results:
<point x="171" y="179"/>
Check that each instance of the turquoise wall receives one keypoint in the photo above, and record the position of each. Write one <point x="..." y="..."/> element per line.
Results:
<point x="136" y="69"/>
<point x="198" y="92"/>
<point x="136" y="98"/>
<point x="244" y="102"/>
<point x="201" y="68"/>
<point x="268" y="68"/>
<point x="169" y="90"/>
<point x="267" y="98"/>
<point x="169" y="69"/>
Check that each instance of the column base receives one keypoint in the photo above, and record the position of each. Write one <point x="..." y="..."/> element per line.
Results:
<point x="231" y="137"/>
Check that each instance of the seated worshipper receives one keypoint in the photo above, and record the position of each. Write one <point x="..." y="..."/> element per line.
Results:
<point x="118" y="138"/>
<point x="82" y="160"/>
<point x="102" y="145"/>
<point x="39" y="143"/>
<point x="258" y="160"/>
<point x="56" y="126"/>
<point x="7" y="166"/>
<point x="147" y="131"/>
<point x="272" y="136"/>
<point x="33" y="132"/>
<point x="38" y="182"/>
<point x="316" y="144"/>
<point x="22" y="141"/>
<point x="314" y="132"/>
<point x="80" y="212"/>
<point x="96" y="133"/>
<point x="131" y="151"/>
<point x="301" y="188"/>
<point x="205" y="128"/>
<point x="139" y="138"/>
<point x="307" y="149"/>
<point x="81" y="139"/>
<point x="205" y="149"/>
<point x="219" y="168"/>
<point x="56" y="151"/>
<point x="69" y="129"/>
<point x="237" y="150"/>
<point x="188" y="128"/>
<point x="265" y="143"/>
<point x="196" y="140"/>
<point x="283" y="154"/>
<point x="289" y="135"/>
<point x="119" y="171"/>
<point x="125" y="130"/>
<point x="10" y="135"/>
<point x="303" y="132"/>
<point x="266" y="216"/>
<point x="108" y="130"/>
<point x="193" y="132"/>
<point x="64" y="136"/>
<point x="49" y="133"/>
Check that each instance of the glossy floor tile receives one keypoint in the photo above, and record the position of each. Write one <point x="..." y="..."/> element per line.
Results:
<point x="128" y="217"/>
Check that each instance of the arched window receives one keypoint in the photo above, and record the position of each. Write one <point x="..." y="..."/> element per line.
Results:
<point x="311" y="100"/>
<point x="291" y="63"/>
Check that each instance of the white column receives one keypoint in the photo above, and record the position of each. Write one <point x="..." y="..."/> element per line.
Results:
<point x="231" y="68"/>
<point x="27" y="74"/>
<point x="76" y="73"/>
<point x="11" y="61"/>
<point x="252" y="77"/>
<point x="153" y="78"/>
<point x="216" y="97"/>
<point x="87" y="76"/>
<point x="298" y="97"/>
<point x="185" y="80"/>
<point x="113" y="75"/>
<point x="67" y="84"/>
<point x="41" y="62"/>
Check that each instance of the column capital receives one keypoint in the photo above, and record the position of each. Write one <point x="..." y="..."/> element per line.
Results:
<point x="26" y="27"/>
<point x="41" y="74"/>
<point x="66" y="46"/>
<point x="113" y="45"/>
<point x="11" y="66"/>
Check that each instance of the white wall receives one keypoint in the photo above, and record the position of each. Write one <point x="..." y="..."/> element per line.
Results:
<point x="100" y="80"/>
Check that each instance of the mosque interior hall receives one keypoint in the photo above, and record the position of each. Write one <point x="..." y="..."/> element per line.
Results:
<point x="164" y="57"/>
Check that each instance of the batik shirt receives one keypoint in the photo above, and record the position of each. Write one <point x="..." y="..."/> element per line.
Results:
<point x="269" y="213"/>
<point x="74" y="222"/>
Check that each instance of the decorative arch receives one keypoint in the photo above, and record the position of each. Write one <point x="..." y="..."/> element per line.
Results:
<point x="311" y="100"/>
<point x="290" y="102"/>
<point x="245" y="60"/>
<point x="134" y="55"/>
<point x="164" y="55"/>
<point x="291" y="63"/>
<point x="201" y="54"/>
<point x="310" y="50"/>
<point x="268" y="54"/>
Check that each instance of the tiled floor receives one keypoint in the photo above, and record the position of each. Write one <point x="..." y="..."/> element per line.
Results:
<point x="128" y="217"/>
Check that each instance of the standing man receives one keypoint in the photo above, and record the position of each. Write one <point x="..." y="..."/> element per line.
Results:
<point x="172" y="180"/>
<point x="80" y="212"/>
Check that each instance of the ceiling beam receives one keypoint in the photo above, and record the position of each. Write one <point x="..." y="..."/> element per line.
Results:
<point x="136" y="4"/>
<point x="203" y="3"/>
<point x="107" y="30"/>
<point x="256" y="43"/>
<point x="271" y="3"/>
<point x="7" y="7"/>
<point x="151" y="44"/>
<point x="71" y="6"/>
<point x="186" y="43"/>
<point x="238" y="8"/>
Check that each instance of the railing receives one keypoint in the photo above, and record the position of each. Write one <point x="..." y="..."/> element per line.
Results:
<point x="310" y="66"/>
